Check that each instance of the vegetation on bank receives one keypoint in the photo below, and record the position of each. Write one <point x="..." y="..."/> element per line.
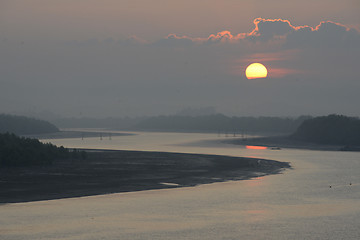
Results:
<point x="23" y="125"/>
<point x="332" y="129"/>
<point x="18" y="151"/>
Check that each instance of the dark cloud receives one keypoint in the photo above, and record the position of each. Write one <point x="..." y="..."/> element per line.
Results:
<point x="133" y="40"/>
<point x="224" y="36"/>
<point x="326" y="34"/>
<point x="266" y="29"/>
<point x="172" y="40"/>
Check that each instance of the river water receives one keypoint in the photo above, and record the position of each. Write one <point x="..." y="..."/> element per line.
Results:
<point x="297" y="204"/>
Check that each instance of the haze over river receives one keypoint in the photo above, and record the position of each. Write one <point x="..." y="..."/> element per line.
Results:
<point x="297" y="204"/>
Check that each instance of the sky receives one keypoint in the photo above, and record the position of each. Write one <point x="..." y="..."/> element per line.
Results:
<point x="87" y="58"/>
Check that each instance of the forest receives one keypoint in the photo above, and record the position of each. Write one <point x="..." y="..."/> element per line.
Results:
<point x="19" y="151"/>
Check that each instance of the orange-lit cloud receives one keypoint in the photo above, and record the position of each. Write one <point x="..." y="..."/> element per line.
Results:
<point x="270" y="27"/>
<point x="273" y="32"/>
<point x="223" y="36"/>
<point x="275" y="29"/>
<point x="282" y="27"/>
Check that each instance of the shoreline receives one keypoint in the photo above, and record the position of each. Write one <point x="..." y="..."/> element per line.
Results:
<point x="116" y="171"/>
<point x="282" y="142"/>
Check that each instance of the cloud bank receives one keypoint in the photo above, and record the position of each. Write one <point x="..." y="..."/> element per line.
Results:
<point x="312" y="70"/>
<point x="327" y="33"/>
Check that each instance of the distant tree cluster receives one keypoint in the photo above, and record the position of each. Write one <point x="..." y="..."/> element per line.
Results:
<point x="110" y="122"/>
<point x="18" y="151"/>
<point x="221" y="122"/>
<point x="332" y="129"/>
<point x="24" y="125"/>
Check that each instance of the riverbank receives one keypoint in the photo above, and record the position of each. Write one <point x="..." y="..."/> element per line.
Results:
<point x="111" y="171"/>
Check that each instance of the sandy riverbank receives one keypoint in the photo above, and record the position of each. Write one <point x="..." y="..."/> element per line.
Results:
<point x="125" y="171"/>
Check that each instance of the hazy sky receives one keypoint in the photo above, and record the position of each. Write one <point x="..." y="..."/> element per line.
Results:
<point x="149" y="57"/>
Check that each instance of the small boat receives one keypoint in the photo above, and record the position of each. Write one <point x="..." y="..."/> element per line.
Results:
<point x="275" y="148"/>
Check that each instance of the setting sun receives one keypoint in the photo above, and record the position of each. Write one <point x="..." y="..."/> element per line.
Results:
<point x="256" y="70"/>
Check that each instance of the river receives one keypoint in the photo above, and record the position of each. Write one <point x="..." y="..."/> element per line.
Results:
<point x="319" y="198"/>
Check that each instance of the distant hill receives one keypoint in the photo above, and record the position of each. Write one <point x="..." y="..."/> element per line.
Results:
<point x="332" y="129"/>
<point x="186" y="123"/>
<point x="219" y="122"/>
<point x="23" y="125"/>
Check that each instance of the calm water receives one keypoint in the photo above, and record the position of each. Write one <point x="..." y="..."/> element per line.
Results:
<point x="298" y="204"/>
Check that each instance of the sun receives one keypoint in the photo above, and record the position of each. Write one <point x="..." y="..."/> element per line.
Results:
<point x="256" y="70"/>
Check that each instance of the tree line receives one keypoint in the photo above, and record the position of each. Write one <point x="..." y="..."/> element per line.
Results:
<point x="332" y="129"/>
<point x="19" y="151"/>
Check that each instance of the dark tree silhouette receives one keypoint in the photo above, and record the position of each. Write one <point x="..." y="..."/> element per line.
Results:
<point x="332" y="129"/>
<point x="18" y="151"/>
